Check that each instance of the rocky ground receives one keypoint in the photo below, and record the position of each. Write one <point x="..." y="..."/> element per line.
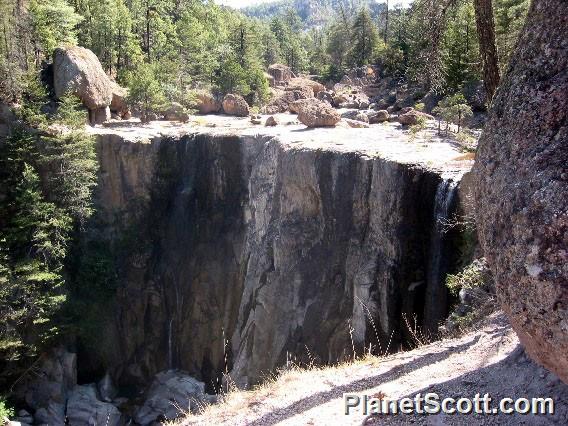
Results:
<point x="389" y="140"/>
<point x="488" y="360"/>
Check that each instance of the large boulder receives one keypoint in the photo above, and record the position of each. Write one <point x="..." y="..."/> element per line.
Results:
<point x="207" y="103"/>
<point x="379" y="116"/>
<point x="316" y="113"/>
<point x="282" y="103"/>
<point x="77" y="70"/>
<point x="300" y="82"/>
<point x="326" y="96"/>
<point x="300" y="103"/>
<point x="280" y="73"/>
<point x="85" y="409"/>
<point x="235" y="105"/>
<point x="521" y="193"/>
<point x="171" y="394"/>
<point x="409" y="116"/>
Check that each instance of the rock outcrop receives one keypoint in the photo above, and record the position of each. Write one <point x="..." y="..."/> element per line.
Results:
<point x="235" y="105"/>
<point x="522" y="187"/>
<point x="245" y="251"/>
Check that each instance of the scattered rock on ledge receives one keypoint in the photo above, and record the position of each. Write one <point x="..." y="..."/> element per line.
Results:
<point x="379" y="116"/>
<point x="317" y="114"/>
<point x="356" y="124"/>
<point x="271" y="121"/>
<point x="409" y="116"/>
<point x="356" y="115"/>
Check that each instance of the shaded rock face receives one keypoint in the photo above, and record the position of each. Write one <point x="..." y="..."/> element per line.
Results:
<point x="245" y="252"/>
<point x="522" y="187"/>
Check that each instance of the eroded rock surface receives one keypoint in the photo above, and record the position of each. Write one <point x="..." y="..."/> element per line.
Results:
<point x="522" y="187"/>
<point x="247" y="249"/>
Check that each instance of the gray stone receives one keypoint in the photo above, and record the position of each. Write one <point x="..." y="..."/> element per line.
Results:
<point x="56" y="374"/>
<point x="85" y="409"/>
<point x="356" y="123"/>
<point x="378" y="116"/>
<point x="171" y="394"/>
<point x="356" y="115"/>
<point x="53" y="414"/>
<point x="106" y="388"/>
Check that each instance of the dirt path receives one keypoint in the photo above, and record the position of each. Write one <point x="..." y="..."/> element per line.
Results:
<point x="489" y="360"/>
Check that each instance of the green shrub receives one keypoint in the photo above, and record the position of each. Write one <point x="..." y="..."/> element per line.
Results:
<point x="453" y="109"/>
<point x="475" y="275"/>
<point x="5" y="410"/>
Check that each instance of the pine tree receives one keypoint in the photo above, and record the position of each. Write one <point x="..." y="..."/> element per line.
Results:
<point x="365" y="39"/>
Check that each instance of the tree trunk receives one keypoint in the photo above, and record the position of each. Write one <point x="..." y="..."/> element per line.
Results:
<point x="487" y="48"/>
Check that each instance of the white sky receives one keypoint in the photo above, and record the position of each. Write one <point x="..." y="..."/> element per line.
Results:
<point x="243" y="3"/>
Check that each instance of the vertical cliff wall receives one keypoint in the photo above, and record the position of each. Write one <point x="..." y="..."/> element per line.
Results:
<point x="244" y="252"/>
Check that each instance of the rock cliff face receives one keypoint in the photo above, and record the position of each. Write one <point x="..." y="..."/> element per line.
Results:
<point x="521" y="178"/>
<point x="246" y="252"/>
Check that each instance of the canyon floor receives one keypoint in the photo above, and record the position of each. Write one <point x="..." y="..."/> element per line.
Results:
<point x="487" y="360"/>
